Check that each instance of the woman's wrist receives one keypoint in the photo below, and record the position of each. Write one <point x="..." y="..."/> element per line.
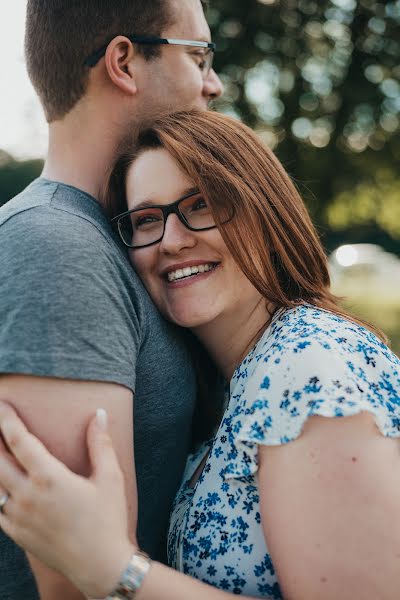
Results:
<point x="109" y="575"/>
<point x="132" y="577"/>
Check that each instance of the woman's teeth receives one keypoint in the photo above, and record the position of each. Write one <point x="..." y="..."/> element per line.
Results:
<point x="189" y="271"/>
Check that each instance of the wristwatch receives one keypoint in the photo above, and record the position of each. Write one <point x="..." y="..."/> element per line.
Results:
<point x="132" y="578"/>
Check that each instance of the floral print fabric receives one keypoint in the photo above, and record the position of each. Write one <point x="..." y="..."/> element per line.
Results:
<point x="308" y="362"/>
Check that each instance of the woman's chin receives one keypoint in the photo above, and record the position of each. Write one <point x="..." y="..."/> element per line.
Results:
<point x="188" y="319"/>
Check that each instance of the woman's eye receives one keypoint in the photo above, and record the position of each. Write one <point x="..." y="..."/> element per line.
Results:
<point x="145" y="220"/>
<point x="199" y="204"/>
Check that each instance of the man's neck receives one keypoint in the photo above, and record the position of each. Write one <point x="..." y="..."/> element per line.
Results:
<point x="81" y="156"/>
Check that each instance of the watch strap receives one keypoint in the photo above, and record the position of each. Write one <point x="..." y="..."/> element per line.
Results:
<point x="132" y="577"/>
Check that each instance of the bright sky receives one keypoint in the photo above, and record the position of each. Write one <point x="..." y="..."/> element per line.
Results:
<point x="23" y="130"/>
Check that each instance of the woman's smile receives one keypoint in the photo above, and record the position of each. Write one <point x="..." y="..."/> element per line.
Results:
<point x="188" y="273"/>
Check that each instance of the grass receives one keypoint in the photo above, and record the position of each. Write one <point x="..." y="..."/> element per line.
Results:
<point x="378" y="305"/>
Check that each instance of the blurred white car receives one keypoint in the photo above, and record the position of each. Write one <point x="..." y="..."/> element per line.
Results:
<point x="358" y="269"/>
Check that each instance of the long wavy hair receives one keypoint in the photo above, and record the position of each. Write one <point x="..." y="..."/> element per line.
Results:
<point x="271" y="237"/>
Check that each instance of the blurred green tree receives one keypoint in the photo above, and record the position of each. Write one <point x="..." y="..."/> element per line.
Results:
<point x="368" y="204"/>
<point x="320" y="81"/>
<point x="15" y="175"/>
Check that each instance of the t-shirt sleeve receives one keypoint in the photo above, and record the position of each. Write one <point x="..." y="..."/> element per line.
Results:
<point x="64" y="308"/>
<point x="306" y="380"/>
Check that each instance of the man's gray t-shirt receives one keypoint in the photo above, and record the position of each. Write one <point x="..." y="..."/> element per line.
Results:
<point x="72" y="307"/>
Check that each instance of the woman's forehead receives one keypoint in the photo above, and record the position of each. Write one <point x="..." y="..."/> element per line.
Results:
<point x="155" y="178"/>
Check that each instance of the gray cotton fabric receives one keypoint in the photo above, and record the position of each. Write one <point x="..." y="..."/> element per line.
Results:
<point x="72" y="307"/>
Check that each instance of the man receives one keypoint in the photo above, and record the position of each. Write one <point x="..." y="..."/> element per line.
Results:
<point x="77" y="330"/>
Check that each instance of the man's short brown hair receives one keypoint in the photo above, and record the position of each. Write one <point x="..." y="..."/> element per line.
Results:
<point x="60" y="34"/>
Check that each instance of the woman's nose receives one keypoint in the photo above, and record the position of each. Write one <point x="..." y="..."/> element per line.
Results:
<point x="176" y="237"/>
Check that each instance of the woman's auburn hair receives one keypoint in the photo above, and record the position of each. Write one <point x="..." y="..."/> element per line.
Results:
<point x="271" y="236"/>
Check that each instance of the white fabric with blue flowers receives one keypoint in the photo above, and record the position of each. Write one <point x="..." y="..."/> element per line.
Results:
<point x="308" y="362"/>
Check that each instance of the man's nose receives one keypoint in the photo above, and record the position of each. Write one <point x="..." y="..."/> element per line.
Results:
<point x="213" y="87"/>
<point x="176" y="237"/>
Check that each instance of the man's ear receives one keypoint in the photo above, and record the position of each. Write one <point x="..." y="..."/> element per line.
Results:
<point x="119" y="64"/>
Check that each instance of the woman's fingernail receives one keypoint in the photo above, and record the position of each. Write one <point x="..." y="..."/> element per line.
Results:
<point x="101" y="418"/>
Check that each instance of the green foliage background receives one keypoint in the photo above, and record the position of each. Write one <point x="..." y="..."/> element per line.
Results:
<point x="320" y="82"/>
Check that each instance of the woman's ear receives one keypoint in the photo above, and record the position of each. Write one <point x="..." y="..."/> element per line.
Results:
<point x="120" y="63"/>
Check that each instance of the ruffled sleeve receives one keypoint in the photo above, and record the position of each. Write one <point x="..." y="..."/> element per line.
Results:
<point x="303" y="380"/>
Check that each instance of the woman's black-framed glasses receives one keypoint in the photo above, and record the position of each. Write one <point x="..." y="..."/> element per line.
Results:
<point x="93" y="59"/>
<point x="145" y="226"/>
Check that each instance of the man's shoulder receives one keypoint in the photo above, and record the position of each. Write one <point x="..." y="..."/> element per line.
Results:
<point x="59" y="231"/>
<point x="48" y="215"/>
<point x="35" y="195"/>
<point x="70" y="304"/>
<point x="45" y="200"/>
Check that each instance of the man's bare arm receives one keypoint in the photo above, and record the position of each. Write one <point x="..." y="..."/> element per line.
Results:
<point x="58" y="411"/>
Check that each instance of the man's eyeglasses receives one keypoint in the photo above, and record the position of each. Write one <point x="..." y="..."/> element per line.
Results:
<point x="208" y="55"/>
<point x="143" y="227"/>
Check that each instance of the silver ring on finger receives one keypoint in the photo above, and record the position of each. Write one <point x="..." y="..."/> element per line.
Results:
<point x="3" y="501"/>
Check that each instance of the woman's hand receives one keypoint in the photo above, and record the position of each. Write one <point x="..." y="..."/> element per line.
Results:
<point x="75" y="525"/>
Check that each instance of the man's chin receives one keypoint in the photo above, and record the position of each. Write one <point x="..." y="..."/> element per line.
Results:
<point x="201" y="105"/>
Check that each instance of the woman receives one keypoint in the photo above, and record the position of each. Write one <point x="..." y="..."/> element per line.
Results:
<point x="297" y="493"/>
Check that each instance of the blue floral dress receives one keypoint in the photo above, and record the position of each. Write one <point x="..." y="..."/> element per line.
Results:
<point x="308" y="362"/>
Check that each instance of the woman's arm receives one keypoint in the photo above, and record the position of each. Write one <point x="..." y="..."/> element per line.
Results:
<point x="78" y="526"/>
<point x="330" y="504"/>
<point x="331" y="510"/>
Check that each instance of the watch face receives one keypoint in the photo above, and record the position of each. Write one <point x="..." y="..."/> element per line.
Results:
<point x="132" y="577"/>
<point x="122" y="593"/>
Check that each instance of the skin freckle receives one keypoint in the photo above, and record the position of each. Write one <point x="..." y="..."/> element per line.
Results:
<point x="324" y="579"/>
<point x="313" y="457"/>
<point x="353" y="459"/>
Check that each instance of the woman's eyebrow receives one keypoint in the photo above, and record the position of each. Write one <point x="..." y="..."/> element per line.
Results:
<point x="189" y="192"/>
<point x="148" y="202"/>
